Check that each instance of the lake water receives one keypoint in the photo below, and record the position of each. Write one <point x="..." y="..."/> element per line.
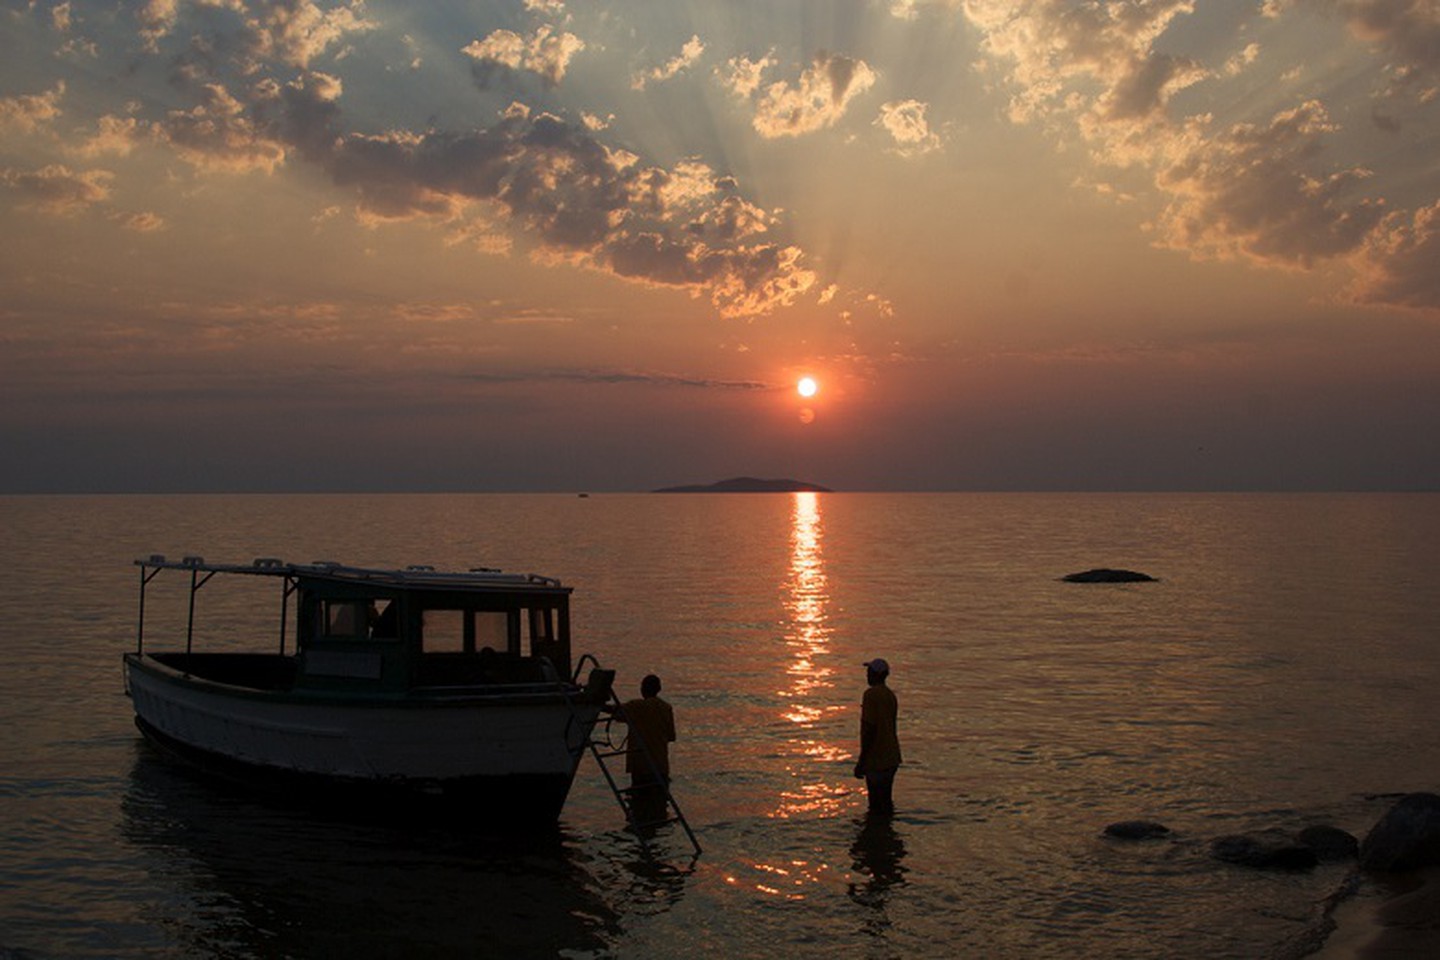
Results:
<point x="1281" y="673"/>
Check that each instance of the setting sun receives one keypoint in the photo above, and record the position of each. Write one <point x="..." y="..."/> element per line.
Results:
<point x="807" y="387"/>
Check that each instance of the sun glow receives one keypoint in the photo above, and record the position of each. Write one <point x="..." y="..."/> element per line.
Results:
<point x="807" y="387"/>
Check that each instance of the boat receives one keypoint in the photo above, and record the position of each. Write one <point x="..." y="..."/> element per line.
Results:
<point x="406" y="684"/>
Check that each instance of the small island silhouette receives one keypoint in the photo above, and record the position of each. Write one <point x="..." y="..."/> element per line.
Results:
<point x="748" y="485"/>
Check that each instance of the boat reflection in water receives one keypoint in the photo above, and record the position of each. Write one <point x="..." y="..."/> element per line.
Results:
<point x="250" y="879"/>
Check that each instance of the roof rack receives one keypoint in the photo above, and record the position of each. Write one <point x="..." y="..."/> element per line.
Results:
<point x="412" y="575"/>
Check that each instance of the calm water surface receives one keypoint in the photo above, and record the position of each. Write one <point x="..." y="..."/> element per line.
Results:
<point x="1282" y="673"/>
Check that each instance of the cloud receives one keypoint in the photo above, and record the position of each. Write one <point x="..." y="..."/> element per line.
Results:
<point x="689" y="54"/>
<point x="905" y="121"/>
<point x="1257" y="191"/>
<point x="144" y="222"/>
<point x="1246" y="193"/>
<point x="1397" y="264"/>
<point x="815" y="101"/>
<point x="577" y="200"/>
<point x="59" y="190"/>
<point x="28" y="112"/>
<point x="1052" y="45"/>
<point x="1409" y="30"/>
<point x="544" y="52"/>
<point x="298" y="31"/>
<point x="220" y="134"/>
<point x="294" y="32"/>
<point x="743" y="76"/>
<point x="114" y="136"/>
<point x="616" y="377"/>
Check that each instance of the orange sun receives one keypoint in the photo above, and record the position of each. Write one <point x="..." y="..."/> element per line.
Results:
<point x="807" y="387"/>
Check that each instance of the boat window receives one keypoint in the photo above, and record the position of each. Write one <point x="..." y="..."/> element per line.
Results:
<point x="345" y="618"/>
<point x="542" y="625"/>
<point x="492" y="629"/>
<point x="444" y="631"/>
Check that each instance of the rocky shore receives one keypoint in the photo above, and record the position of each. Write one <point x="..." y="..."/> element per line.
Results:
<point x="1388" y="905"/>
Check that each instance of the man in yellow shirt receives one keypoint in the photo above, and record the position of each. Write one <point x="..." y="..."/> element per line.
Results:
<point x="647" y="752"/>
<point x="652" y="730"/>
<point x="879" y="742"/>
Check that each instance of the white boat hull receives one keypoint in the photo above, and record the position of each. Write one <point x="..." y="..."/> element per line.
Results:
<point x="514" y="744"/>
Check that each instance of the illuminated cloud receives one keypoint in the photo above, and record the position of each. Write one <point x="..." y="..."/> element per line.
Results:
<point x="577" y="200"/>
<point x="114" y="136"/>
<point x="297" y="31"/>
<point x="816" y="100"/>
<point x="689" y="54"/>
<point x="58" y="190"/>
<point x="219" y="134"/>
<point x="140" y="222"/>
<point x="1053" y="45"/>
<point x="905" y="121"/>
<point x="544" y="52"/>
<point x="1247" y="193"/>
<point x="294" y="32"/>
<point x="1266" y="192"/>
<point x="1400" y="262"/>
<point x="743" y="76"/>
<point x="27" y="112"/>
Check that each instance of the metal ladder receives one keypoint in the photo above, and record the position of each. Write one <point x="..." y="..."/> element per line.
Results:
<point x="606" y="749"/>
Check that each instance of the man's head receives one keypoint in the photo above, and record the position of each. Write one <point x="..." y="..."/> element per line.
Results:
<point x="650" y="686"/>
<point x="876" y="670"/>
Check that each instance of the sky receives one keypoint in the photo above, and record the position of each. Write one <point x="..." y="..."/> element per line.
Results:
<point x="288" y="245"/>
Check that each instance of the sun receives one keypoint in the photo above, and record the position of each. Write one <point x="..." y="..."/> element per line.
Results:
<point x="807" y="387"/>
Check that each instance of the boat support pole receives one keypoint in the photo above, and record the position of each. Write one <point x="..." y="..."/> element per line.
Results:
<point x="140" y="626"/>
<point x="290" y="587"/>
<point x="195" y="585"/>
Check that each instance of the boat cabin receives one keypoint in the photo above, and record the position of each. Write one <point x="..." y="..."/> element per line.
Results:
<point x="358" y="630"/>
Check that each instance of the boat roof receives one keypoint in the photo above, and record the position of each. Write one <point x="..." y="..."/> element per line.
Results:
<point x="414" y="577"/>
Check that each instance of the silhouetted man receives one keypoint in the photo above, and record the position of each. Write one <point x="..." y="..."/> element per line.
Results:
<point x="879" y="741"/>
<point x="647" y="752"/>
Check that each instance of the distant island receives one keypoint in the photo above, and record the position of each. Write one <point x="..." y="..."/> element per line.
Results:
<point x="748" y="485"/>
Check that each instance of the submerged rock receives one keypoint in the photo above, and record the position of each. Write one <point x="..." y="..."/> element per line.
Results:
<point x="1137" y="830"/>
<point x="1107" y="575"/>
<point x="1407" y="837"/>
<point x="1267" y="852"/>
<point x="1329" y="843"/>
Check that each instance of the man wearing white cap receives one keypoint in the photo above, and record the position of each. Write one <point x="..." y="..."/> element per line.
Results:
<point x="879" y="743"/>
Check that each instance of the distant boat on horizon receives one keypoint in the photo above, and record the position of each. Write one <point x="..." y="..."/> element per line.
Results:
<point x="748" y="485"/>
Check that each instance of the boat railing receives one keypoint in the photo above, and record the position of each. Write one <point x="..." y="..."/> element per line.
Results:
<point x="580" y="665"/>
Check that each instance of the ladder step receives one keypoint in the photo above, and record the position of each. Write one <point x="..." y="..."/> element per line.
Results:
<point x="627" y="796"/>
<point x="651" y="824"/>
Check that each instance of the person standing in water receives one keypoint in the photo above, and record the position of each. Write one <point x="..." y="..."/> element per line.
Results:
<point x="647" y="753"/>
<point x="879" y="740"/>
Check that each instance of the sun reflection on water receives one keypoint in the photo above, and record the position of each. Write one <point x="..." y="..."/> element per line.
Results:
<point x="811" y="755"/>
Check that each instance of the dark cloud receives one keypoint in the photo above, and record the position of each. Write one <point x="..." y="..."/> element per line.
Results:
<point x="1249" y="191"/>
<point x="566" y="190"/>
<point x="616" y="377"/>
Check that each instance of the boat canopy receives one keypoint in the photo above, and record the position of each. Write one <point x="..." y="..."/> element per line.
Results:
<point x="394" y="627"/>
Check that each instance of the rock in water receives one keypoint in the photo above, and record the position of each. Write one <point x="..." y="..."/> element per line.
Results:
<point x="1407" y="837"/>
<point x="1137" y="830"/>
<point x="1329" y="843"/>
<point x="1106" y="575"/>
<point x="1263" y="853"/>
